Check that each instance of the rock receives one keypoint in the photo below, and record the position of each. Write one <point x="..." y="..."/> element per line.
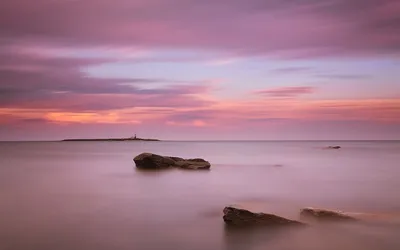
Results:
<point x="334" y="147"/>
<point x="176" y="158"/>
<point x="153" y="161"/>
<point x="197" y="160"/>
<point x="241" y="217"/>
<point x="325" y="215"/>
<point x="193" y="165"/>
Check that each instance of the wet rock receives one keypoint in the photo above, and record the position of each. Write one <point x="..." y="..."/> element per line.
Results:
<point x="242" y="217"/>
<point x="154" y="161"/>
<point x="325" y="215"/>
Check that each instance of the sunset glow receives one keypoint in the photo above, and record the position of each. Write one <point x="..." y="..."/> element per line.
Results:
<point x="199" y="70"/>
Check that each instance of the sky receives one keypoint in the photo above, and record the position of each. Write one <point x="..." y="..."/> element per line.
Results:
<point x="200" y="69"/>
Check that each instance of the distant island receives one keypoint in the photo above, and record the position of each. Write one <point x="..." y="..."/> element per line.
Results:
<point x="133" y="138"/>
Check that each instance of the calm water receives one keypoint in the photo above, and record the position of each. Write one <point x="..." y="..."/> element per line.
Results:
<point x="88" y="195"/>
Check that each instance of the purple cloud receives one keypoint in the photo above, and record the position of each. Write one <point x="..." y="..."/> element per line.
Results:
<point x="344" y="76"/>
<point x="36" y="81"/>
<point x="285" y="28"/>
<point x="291" y="70"/>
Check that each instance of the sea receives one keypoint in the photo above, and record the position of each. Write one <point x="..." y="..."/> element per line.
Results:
<point x="90" y="196"/>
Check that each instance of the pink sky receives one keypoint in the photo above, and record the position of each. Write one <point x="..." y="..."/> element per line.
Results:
<point x="191" y="70"/>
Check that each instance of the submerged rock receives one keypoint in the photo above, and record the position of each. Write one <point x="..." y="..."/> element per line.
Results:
<point x="325" y="215"/>
<point x="242" y="217"/>
<point x="153" y="161"/>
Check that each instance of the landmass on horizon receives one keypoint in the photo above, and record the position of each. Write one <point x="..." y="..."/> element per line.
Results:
<point x="133" y="138"/>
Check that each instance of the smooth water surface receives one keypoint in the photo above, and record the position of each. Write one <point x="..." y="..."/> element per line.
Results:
<point x="89" y="196"/>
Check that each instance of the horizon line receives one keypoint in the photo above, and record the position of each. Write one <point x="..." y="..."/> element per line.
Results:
<point x="266" y="140"/>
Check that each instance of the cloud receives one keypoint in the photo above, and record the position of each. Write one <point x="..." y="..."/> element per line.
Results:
<point x="286" y="91"/>
<point x="11" y="119"/>
<point x="246" y="114"/>
<point x="194" y="123"/>
<point x="192" y="115"/>
<point x="291" y="69"/>
<point x="43" y="52"/>
<point x="88" y="117"/>
<point x="344" y="76"/>
<point x="240" y="27"/>
<point x="245" y="119"/>
<point x="30" y="80"/>
<point x="222" y="62"/>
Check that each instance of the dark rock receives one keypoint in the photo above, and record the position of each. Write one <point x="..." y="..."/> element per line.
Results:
<point x="153" y="161"/>
<point x="176" y="158"/>
<point x="193" y="165"/>
<point x="196" y="160"/>
<point x="241" y="217"/>
<point x="325" y="215"/>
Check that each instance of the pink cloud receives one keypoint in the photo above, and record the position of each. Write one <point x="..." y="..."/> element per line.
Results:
<point x="271" y="118"/>
<point x="286" y="91"/>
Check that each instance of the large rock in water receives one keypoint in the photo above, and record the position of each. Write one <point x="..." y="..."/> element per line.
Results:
<point x="241" y="217"/>
<point x="325" y="215"/>
<point x="153" y="161"/>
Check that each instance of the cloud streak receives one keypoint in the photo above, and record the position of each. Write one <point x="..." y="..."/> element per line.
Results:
<point x="216" y="119"/>
<point x="286" y="91"/>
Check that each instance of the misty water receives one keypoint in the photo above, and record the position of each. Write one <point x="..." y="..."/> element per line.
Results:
<point x="89" y="195"/>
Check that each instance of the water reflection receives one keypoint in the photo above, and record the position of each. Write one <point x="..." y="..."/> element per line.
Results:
<point x="315" y="237"/>
<point x="255" y="237"/>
